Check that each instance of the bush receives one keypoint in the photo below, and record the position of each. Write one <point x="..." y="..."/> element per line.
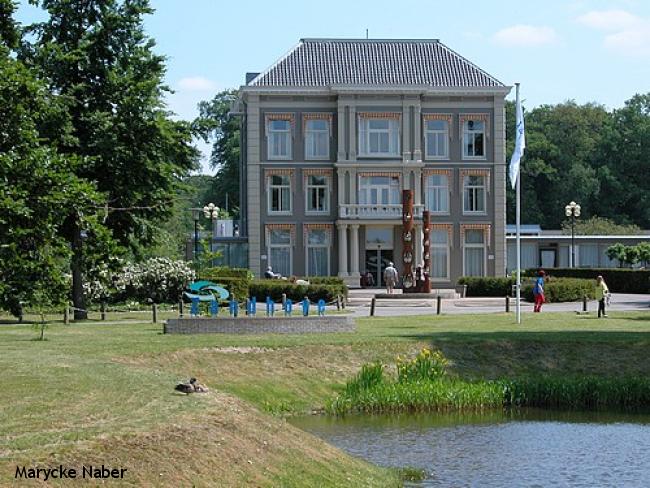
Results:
<point x="487" y="286"/>
<point x="326" y="280"/>
<point x="275" y="288"/>
<point x="561" y="289"/>
<point x="618" y="280"/>
<point x="161" y="279"/>
<point x="235" y="280"/>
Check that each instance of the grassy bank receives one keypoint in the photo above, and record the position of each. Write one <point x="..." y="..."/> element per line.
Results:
<point x="96" y="392"/>
<point x="422" y="384"/>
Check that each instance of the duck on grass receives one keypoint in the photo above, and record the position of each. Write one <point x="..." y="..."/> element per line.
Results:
<point x="424" y="384"/>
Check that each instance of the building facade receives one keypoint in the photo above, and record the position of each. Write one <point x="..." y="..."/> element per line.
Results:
<point x="337" y="128"/>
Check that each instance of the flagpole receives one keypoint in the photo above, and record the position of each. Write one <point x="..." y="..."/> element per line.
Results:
<point x="518" y="225"/>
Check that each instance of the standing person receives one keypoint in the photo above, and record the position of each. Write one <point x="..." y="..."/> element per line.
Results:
<point x="538" y="291"/>
<point x="390" y="277"/>
<point x="601" y="295"/>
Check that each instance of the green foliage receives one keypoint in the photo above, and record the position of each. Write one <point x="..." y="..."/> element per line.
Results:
<point x="580" y="392"/>
<point x="487" y="286"/>
<point x="618" y="280"/>
<point x="215" y="125"/>
<point x="561" y="289"/>
<point x="235" y="280"/>
<point x="371" y="375"/>
<point x="600" y="226"/>
<point x="616" y="252"/>
<point x="426" y="366"/>
<point x="601" y="153"/>
<point x="275" y="288"/>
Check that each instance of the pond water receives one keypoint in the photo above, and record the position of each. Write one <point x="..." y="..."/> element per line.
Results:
<point x="529" y="448"/>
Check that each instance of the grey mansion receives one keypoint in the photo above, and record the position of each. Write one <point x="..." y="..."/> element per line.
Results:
<point x="334" y="131"/>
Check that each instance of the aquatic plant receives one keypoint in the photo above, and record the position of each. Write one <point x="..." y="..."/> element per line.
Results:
<point x="426" y="366"/>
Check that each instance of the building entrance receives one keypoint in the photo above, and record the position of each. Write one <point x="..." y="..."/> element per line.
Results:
<point x="376" y="262"/>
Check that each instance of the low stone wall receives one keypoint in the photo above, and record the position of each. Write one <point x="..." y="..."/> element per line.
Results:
<point x="260" y="325"/>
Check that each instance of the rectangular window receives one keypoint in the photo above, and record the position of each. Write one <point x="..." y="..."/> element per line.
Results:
<point x="317" y="139"/>
<point x="437" y="194"/>
<point x="317" y="194"/>
<point x="378" y="137"/>
<point x="474" y="253"/>
<point x="279" y="194"/>
<point x="474" y="194"/>
<point x="278" y="139"/>
<point x="280" y="251"/>
<point x="318" y="252"/>
<point x="588" y="256"/>
<point x="379" y="190"/>
<point x="474" y="139"/>
<point x="439" y="255"/>
<point x="436" y="139"/>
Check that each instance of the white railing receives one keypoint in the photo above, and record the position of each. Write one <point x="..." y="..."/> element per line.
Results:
<point x="377" y="211"/>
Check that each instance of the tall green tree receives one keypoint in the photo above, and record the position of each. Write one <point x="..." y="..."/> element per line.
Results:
<point x="217" y="126"/>
<point x="38" y="186"/>
<point x="96" y="56"/>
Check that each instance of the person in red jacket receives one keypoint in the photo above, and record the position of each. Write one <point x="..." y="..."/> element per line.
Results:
<point x="538" y="291"/>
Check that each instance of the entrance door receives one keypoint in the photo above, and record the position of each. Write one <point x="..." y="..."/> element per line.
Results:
<point x="376" y="262"/>
<point x="547" y="258"/>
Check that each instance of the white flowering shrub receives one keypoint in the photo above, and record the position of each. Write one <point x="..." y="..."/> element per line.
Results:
<point x="161" y="279"/>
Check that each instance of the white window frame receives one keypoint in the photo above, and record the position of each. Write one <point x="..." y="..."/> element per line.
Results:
<point x="309" y="186"/>
<point x="393" y="134"/>
<point x="327" y="246"/>
<point x="447" y="248"/>
<point x="429" y="186"/>
<point x="288" y="132"/>
<point x="470" y="245"/>
<point x="271" y="187"/>
<point x="432" y="132"/>
<point x="466" y="187"/>
<point x="467" y="132"/>
<point x="367" y="189"/>
<point x="312" y="132"/>
<point x="270" y="246"/>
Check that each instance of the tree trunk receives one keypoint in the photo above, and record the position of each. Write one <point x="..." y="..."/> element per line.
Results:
<point x="78" y="300"/>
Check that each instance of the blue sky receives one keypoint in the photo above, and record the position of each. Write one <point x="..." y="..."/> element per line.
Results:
<point x="586" y="50"/>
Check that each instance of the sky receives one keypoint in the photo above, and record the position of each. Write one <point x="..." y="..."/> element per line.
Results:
<point x="582" y="50"/>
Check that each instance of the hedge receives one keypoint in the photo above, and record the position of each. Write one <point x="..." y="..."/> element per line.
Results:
<point x="275" y="288"/>
<point x="561" y="289"/>
<point x="235" y="280"/>
<point x="488" y="286"/>
<point x="618" y="280"/>
<point x="555" y="289"/>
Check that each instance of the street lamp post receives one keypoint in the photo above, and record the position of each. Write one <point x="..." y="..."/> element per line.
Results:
<point x="572" y="210"/>
<point x="211" y="211"/>
<point x="196" y="215"/>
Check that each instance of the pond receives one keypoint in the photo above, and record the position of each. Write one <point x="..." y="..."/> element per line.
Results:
<point x="529" y="448"/>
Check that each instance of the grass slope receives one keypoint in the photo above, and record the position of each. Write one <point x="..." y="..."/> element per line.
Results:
<point x="103" y="393"/>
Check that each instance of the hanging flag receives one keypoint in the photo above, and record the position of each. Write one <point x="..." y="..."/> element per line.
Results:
<point x="520" y="143"/>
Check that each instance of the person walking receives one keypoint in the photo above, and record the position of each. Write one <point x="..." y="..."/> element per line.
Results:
<point x="390" y="277"/>
<point x="538" y="291"/>
<point x="601" y="295"/>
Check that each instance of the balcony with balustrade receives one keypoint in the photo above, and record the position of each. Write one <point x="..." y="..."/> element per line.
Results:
<point x="375" y="211"/>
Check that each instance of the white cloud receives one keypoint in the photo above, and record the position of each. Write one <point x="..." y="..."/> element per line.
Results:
<point x="526" y="35"/>
<point x="627" y="34"/>
<point x="196" y="84"/>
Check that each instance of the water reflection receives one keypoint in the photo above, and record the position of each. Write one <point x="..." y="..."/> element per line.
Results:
<point x="529" y="448"/>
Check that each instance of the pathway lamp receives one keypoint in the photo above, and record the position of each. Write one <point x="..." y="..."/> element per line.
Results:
<point x="573" y="210"/>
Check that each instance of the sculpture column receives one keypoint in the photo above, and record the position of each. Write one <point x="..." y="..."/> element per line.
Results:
<point x="343" y="249"/>
<point x="417" y="243"/>
<point x="354" y="250"/>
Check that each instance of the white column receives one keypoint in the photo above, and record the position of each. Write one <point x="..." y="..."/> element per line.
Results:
<point x="417" y="132"/>
<point x="353" y="186"/>
<point x="340" y="121"/>
<point x="354" y="250"/>
<point x="406" y="131"/>
<point x="343" y="249"/>
<point x="353" y="132"/>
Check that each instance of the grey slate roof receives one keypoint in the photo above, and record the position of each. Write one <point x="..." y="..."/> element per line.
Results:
<point x="330" y="62"/>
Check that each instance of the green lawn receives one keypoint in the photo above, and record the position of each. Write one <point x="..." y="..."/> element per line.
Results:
<point x="102" y="392"/>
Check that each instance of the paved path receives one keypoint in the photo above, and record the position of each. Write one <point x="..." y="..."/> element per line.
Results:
<point x="361" y="308"/>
